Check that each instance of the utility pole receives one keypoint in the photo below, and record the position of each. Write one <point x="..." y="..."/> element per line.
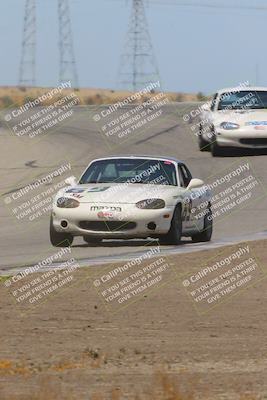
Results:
<point x="28" y="54"/>
<point x="138" y="66"/>
<point x="67" y="67"/>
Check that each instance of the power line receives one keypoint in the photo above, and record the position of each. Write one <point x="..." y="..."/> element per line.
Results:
<point x="28" y="52"/>
<point x="203" y="5"/>
<point x="138" y="65"/>
<point x="67" y="67"/>
<point x="209" y="5"/>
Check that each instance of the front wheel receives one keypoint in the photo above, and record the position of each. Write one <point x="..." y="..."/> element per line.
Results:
<point x="173" y="237"/>
<point x="206" y="233"/>
<point x="59" y="239"/>
<point x="216" y="150"/>
<point x="202" y="143"/>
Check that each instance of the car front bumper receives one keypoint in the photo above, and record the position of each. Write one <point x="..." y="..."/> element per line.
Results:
<point x="245" y="137"/>
<point x="131" y="222"/>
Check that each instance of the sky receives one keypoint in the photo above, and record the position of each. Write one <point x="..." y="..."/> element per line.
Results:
<point x="197" y="49"/>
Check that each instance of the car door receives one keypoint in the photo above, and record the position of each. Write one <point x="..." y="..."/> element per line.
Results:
<point x="192" y="199"/>
<point x="184" y="179"/>
<point x="207" y="119"/>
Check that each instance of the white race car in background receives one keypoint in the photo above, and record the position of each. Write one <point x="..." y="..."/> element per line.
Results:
<point x="132" y="197"/>
<point x="236" y="117"/>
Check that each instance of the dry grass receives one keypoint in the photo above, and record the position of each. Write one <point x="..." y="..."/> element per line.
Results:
<point x="47" y="390"/>
<point x="17" y="96"/>
<point x="162" y="387"/>
<point x="4" y="278"/>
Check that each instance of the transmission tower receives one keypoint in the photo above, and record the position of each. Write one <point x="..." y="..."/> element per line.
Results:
<point x="138" y="66"/>
<point x="67" y="68"/>
<point x="27" y="63"/>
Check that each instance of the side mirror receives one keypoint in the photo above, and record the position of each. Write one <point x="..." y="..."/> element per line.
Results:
<point x="71" y="181"/>
<point x="195" y="184"/>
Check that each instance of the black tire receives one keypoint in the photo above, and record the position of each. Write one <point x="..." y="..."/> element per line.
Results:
<point x="202" y="143"/>
<point x="92" y="240"/>
<point x="206" y="233"/>
<point x="216" y="150"/>
<point x="59" y="239"/>
<point x="173" y="237"/>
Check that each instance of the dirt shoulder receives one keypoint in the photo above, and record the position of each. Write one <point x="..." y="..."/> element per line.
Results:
<point x="160" y="347"/>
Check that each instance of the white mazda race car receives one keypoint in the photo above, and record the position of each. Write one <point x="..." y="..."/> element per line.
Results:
<point x="236" y="117"/>
<point x="132" y="197"/>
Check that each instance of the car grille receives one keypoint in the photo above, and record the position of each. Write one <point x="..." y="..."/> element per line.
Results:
<point x="107" y="226"/>
<point x="255" y="141"/>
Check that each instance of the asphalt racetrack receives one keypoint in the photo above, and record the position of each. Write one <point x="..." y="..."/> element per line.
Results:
<point x="78" y="140"/>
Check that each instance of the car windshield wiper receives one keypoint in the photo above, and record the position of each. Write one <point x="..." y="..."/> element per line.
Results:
<point x="258" y="108"/>
<point x="228" y="108"/>
<point x="88" y="183"/>
<point x="245" y="108"/>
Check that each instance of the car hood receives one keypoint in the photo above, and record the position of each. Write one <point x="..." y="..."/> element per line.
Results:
<point x="257" y="117"/>
<point x="120" y="193"/>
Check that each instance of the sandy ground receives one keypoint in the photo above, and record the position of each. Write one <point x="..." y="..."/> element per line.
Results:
<point x="160" y="347"/>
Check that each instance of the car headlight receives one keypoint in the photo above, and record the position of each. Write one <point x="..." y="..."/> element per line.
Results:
<point x="65" y="202"/>
<point x="229" y="125"/>
<point x="151" y="204"/>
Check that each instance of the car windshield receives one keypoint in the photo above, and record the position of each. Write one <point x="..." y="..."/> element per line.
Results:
<point x="245" y="99"/>
<point x="131" y="171"/>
